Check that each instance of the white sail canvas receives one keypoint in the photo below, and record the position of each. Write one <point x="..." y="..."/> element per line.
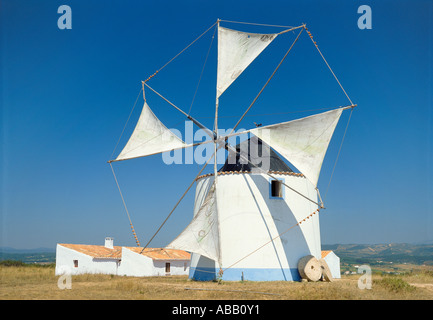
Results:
<point x="201" y="236"/>
<point x="150" y="136"/>
<point x="303" y="142"/>
<point x="236" y="50"/>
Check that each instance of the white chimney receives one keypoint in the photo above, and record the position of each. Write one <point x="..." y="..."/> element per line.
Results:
<point x="109" y="243"/>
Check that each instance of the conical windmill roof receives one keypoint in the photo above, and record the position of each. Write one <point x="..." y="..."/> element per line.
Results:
<point x="265" y="158"/>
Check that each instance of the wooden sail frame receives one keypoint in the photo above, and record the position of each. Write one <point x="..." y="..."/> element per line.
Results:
<point x="219" y="141"/>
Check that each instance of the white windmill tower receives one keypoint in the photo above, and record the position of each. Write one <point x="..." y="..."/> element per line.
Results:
<point x="255" y="218"/>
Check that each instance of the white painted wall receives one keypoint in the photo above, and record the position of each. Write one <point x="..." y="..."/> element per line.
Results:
<point x="333" y="262"/>
<point x="177" y="267"/>
<point x="134" y="264"/>
<point x="249" y="218"/>
<point x="131" y="264"/>
<point x="86" y="264"/>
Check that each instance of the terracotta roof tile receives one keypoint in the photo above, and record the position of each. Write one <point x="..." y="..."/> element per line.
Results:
<point x="102" y="252"/>
<point x="325" y="253"/>
<point x="96" y="251"/>
<point x="249" y="172"/>
<point x="163" y="254"/>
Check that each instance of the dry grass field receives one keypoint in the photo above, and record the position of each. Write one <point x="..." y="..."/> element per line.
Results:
<point x="40" y="283"/>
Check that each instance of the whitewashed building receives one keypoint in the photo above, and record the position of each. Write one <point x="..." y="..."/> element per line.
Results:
<point x="333" y="262"/>
<point x="126" y="261"/>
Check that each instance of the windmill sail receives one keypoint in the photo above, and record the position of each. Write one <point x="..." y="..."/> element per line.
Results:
<point x="150" y="136"/>
<point x="236" y="50"/>
<point x="303" y="142"/>
<point x="201" y="236"/>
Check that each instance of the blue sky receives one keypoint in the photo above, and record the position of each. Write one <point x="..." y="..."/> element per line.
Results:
<point x="66" y="95"/>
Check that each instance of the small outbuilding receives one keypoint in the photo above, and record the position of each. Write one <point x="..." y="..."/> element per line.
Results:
<point x="333" y="262"/>
<point x="118" y="260"/>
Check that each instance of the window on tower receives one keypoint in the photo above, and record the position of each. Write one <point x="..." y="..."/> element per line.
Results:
<point x="276" y="188"/>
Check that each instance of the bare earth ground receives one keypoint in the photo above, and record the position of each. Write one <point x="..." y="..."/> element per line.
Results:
<point x="38" y="283"/>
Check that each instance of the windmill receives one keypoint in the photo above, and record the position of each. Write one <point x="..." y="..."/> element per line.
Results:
<point x="254" y="218"/>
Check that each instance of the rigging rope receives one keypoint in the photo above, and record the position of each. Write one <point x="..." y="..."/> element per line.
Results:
<point x="265" y="172"/>
<point x="271" y="114"/>
<point x="347" y="96"/>
<point x="201" y="74"/>
<point x="144" y="82"/>
<point x="329" y="67"/>
<point x="150" y="77"/>
<point x="257" y="24"/>
<point x="126" y="209"/>
<point x="279" y="235"/>
<point x="127" y="122"/>
<point x="267" y="82"/>
<point x="192" y="183"/>
<point x="147" y="141"/>
<point x="338" y="154"/>
<point x="183" y="112"/>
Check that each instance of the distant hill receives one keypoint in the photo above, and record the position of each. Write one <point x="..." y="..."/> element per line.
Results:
<point x="391" y="252"/>
<point x="37" y="255"/>
<point x="349" y="253"/>
<point x="36" y="250"/>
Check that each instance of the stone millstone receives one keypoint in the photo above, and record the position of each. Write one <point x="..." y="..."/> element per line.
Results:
<point x="327" y="275"/>
<point x="310" y="268"/>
